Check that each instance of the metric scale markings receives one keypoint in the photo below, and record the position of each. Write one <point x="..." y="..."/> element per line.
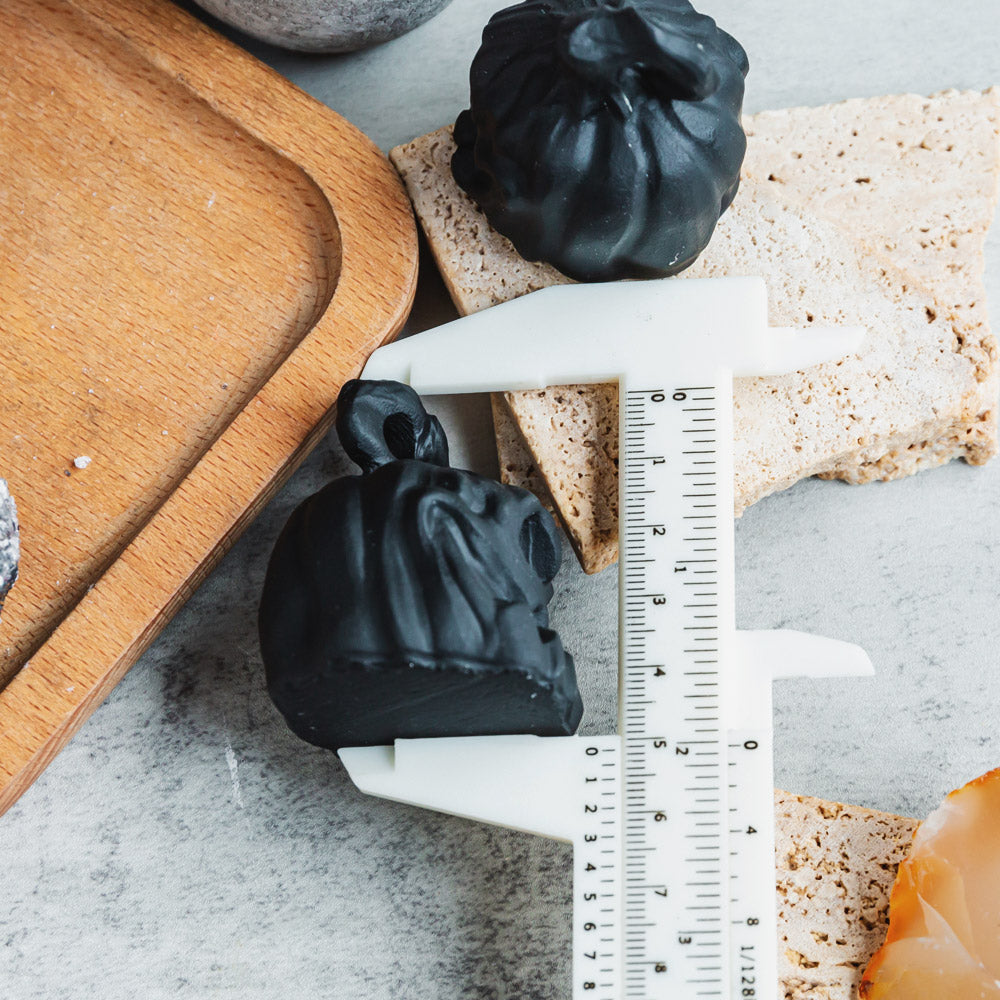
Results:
<point x="597" y="873"/>
<point x="671" y="820"/>
<point x="670" y="710"/>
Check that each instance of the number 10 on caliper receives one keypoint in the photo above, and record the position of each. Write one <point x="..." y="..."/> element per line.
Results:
<point x="671" y="819"/>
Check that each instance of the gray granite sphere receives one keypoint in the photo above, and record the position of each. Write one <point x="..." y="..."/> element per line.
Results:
<point x="324" y="25"/>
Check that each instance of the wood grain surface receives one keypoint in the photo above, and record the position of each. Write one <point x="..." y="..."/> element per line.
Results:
<point x="194" y="257"/>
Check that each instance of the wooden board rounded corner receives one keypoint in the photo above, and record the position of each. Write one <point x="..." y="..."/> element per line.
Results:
<point x="363" y="252"/>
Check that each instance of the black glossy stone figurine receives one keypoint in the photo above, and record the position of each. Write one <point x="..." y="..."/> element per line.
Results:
<point x="604" y="136"/>
<point x="411" y="601"/>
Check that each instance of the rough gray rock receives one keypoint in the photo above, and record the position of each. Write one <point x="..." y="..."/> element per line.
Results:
<point x="10" y="546"/>
<point x="324" y="25"/>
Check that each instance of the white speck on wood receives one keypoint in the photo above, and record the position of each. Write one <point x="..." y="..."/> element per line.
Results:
<point x="234" y="774"/>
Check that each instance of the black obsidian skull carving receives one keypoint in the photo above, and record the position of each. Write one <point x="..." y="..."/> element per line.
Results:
<point x="411" y="601"/>
<point x="604" y="136"/>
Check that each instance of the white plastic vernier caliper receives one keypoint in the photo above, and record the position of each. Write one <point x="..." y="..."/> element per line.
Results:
<point x="672" y="819"/>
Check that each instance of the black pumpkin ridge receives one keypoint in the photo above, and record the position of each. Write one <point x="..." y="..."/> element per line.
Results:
<point x="412" y="600"/>
<point x="604" y="136"/>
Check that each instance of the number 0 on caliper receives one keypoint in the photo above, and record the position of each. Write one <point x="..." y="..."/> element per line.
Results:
<point x="671" y="819"/>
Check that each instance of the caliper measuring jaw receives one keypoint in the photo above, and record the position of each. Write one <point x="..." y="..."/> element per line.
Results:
<point x="671" y="819"/>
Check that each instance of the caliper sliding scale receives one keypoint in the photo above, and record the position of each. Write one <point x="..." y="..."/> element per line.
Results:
<point x="671" y="820"/>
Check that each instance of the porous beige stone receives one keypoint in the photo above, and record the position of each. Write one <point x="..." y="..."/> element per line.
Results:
<point x="836" y="866"/>
<point x="519" y="467"/>
<point x="573" y="431"/>
<point x="923" y="390"/>
<point x="914" y="176"/>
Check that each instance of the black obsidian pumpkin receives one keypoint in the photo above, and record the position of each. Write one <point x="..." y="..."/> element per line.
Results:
<point x="411" y="601"/>
<point x="604" y="136"/>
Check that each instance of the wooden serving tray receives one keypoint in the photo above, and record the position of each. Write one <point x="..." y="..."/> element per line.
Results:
<point x="194" y="256"/>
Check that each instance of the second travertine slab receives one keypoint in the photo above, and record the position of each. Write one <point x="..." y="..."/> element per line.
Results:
<point x="836" y="866"/>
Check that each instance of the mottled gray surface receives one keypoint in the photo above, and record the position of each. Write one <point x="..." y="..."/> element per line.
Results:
<point x="323" y="25"/>
<point x="10" y="541"/>
<point x="185" y="845"/>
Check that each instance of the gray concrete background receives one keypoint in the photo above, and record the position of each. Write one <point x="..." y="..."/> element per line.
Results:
<point x="186" y="845"/>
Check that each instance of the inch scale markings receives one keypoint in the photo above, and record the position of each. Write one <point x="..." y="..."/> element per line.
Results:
<point x="681" y="922"/>
<point x="671" y="819"/>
